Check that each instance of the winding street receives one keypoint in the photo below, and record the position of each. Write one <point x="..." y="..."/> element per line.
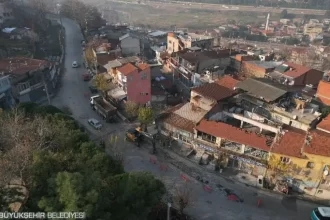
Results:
<point x="74" y="94"/>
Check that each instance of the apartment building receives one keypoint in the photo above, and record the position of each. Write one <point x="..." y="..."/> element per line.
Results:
<point x="180" y="41"/>
<point x="6" y="12"/>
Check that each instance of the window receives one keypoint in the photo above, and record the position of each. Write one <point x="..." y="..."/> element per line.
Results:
<point x="144" y="76"/>
<point x="285" y="160"/>
<point x="310" y="165"/>
<point x="130" y="78"/>
<point x="169" y="41"/>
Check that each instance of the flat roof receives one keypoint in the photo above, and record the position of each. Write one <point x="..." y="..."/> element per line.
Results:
<point x="190" y="113"/>
<point x="265" y="64"/>
<point x="261" y="89"/>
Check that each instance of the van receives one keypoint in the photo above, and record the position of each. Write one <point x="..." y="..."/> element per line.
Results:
<point x="321" y="213"/>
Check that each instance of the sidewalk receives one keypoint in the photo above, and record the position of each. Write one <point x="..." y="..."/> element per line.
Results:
<point x="177" y="156"/>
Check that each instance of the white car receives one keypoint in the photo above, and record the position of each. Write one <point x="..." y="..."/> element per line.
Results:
<point x="74" y="64"/>
<point x="95" y="123"/>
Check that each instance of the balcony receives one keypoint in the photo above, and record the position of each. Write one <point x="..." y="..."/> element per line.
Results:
<point x="252" y="152"/>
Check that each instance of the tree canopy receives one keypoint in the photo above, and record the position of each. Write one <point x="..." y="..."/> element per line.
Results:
<point x="146" y="115"/>
<point x="64" y="171"/>
<point x="85" y="15"/>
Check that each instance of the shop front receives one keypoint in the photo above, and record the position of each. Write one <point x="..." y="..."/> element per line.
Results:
<point x="247" y="165"/>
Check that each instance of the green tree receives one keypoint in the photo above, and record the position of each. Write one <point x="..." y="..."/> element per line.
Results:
<point x="135" y="194"/>
<point x="100" y="82"/>
<point x="325" y="111"/>
<point x="63" y="170"/>
<point x="145" y="116"/>
<point x="132" y="108"/>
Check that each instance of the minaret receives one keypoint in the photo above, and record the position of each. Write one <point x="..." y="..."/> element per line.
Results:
<point x="267" y="22"/>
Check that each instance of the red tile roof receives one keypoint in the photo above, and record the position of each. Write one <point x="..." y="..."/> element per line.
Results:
<point x="127" y="69"/>
<point x="227" y="81"/>
<point x="298" y="70"/>
<point x="143" y="66"/>
<point x="323" y="92"/>
<point x="223" y="130"/>
<point x="319" y="143"/>
<point x="290" y="144"/>
<point x="325" y="124"/>
<point x="214" y="91"/>
<point x="21" y="65"/>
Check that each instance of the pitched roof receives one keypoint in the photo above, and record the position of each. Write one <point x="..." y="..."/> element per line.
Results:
<point x="319" y="144"/>
<point x="324" y="124"/>
<point x="112" y="64"/>
<point x="297" y="70"/>
<point x="21" y="65"/>
<point x="179" y="122"/>
<point x="323" y="92"/>
<point x="261" y="89"/>
<point x="169" y="116"/>
<point x="214" y="91"/>
<point x="223" y="130"/>
<point x="127" y="69"/>
<point x="290" y="144"/>
<point x="228" y="82"/>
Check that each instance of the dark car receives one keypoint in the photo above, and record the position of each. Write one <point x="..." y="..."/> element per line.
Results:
<point x="93" y="89"/>
<point x="134" y="136"/>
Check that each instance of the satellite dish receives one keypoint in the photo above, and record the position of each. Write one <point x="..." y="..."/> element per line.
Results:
<point x="326" y="173"/>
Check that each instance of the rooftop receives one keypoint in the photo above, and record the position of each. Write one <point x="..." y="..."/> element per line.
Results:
<point x="261" y="89"/>
<point x="131" y="59"/>
<point x="94" y="43"/>
<point x="324" y="125"/>
<point x="127" y="69"/>
<point x="157" y="34"/>
<point x="290" y="143"/>
<point x="103" y="59"/>
<point x="223" y="130"/>
<point x="228" y="82"/>
<point x="191" y="113"/>
<point x="143" y="66"/>
<point x="194" y="37"/>
<point x="323" y="92"/>
<point x="21" y="65"/>
<point x="265" y="64"/>
<point x="214" y="91"/>
<point x="112" y="64"/>
<point x="198" y="56"/>
<point x="295" y="70"/>
<point x="319" y="143"/>
<point x="169" y="116"/>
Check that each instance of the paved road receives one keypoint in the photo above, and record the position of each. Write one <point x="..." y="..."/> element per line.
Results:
<point x="219" y="7"/>
<point x="207" y="206"/>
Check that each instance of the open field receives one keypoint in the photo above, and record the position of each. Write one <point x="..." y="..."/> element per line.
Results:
<point x="152" y="15"/>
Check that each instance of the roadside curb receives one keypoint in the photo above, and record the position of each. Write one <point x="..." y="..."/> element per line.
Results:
<point x="245" y="185"/>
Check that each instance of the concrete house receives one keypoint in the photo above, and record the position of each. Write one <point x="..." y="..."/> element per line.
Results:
<point x="130" y="45"/>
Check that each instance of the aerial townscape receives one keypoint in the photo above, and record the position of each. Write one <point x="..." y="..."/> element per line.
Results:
<point x="165" y="110"/>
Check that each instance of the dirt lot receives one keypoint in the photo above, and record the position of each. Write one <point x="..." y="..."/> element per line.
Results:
<point x="192" y="18"/>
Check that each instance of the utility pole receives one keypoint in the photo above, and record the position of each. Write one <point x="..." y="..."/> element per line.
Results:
<point x="169" y="210"/>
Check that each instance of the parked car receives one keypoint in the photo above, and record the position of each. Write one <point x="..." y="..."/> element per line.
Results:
<point x="95" y="123"/>
<point x="93" y="89"/>
<point x="74" y="64"/>
<point x="87" y="77"/>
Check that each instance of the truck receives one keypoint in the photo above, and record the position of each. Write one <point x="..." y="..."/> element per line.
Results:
<point x="104" y="108"/>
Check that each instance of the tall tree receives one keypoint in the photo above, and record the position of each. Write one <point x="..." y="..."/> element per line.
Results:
<point x="146" y="116"/>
